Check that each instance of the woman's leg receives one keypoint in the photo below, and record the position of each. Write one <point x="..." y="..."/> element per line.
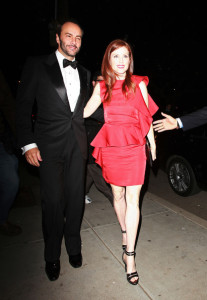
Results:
<point x="120" y="207"/>
<point x="132" y="221"/>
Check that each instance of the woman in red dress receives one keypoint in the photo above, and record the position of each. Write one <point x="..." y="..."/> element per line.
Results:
<point x="119" y="147"/>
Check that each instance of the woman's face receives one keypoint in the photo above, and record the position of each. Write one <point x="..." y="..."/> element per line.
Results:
<point x="119" y="61"/>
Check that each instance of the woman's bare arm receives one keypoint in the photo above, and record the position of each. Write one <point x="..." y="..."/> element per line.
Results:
<point x="93" y="103"/>
<point x="150" y="134"/>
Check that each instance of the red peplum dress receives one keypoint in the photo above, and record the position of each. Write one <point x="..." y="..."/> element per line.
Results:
<point x="119" y="146"/>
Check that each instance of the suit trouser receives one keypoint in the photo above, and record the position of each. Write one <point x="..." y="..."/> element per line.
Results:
<point x="9" y="182"/>
<point x="62" y="194"/>
<point x="94" y="175"/>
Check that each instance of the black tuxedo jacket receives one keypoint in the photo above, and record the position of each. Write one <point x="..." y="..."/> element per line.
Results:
<point x="42" y="83"/>
<point x="194" y="119"/>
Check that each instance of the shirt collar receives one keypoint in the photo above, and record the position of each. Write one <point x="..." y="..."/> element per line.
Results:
<point x="60" y="57"/>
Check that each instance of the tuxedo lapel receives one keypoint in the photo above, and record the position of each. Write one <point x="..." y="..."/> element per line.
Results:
<point x="83" y="88"/>
<point x="54" y="72"/>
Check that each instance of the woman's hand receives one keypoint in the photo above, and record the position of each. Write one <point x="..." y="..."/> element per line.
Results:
<point x="151" y="139"/>
<point x="153" y="151"/>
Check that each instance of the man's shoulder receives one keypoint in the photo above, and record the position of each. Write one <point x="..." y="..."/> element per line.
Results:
<point x="83" y="68"/>
<point x="38" y="59"/>
<point x="85" y="72"/>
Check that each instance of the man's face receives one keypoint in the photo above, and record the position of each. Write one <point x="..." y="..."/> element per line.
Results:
<point x="69" y="42"/>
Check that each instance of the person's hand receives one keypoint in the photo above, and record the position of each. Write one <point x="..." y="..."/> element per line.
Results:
<point x="168" y="123"/>
<point x="153" y="152"/>
<point x="33" y="157"/>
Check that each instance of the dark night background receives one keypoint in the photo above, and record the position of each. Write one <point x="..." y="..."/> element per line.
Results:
<point x="168" y="40"/>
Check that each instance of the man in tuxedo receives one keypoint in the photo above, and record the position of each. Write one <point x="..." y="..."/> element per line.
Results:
<point x="189" y="121"/>
<point x="60" y="88"/>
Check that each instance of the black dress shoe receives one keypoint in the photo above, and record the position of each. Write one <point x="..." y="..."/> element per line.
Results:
<point x="52" y="270"/>
<point x="75" y="260"/>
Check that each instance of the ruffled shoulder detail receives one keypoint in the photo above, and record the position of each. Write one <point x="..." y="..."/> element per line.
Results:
<point x="138" y="79"/>
<point x="146" y="113"/>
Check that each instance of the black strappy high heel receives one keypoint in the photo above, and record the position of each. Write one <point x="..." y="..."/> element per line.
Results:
<point x="123" y="246"/>
<point x="125" y="265"/>
<point x="133" y="274"/>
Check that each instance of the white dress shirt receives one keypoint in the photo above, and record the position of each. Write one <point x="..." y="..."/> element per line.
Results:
<point x="179" y="122"/>
<point x="71" y="81"/>
<point x="72" y="84"/>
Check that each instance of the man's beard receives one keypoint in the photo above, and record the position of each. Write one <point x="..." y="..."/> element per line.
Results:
<point x="66" y="51"/>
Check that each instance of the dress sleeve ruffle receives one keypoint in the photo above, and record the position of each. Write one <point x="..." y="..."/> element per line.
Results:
<point x="138" y="79"/>
<point x="146" y="113"/>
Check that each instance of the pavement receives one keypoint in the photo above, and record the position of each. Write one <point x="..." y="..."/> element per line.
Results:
<point x="171" y="255"/>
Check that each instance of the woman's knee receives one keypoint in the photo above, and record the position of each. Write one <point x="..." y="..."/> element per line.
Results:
<point x="118" y="193"/>
<point x="132" y="195"/>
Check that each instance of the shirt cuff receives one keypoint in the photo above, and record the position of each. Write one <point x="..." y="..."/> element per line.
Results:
<point x="179" y="122"/>
<point x="28" y="147"/>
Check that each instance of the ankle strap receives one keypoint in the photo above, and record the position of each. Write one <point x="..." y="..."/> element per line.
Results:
<point x="130" y="253"/>
<point x="123" y="231"/>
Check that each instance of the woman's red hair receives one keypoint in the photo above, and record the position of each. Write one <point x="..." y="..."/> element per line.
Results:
<point x="110" y="76"/>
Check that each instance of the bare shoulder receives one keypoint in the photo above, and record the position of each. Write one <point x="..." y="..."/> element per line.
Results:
<point x="142" y="84"/>
<point x="143" y="89"/>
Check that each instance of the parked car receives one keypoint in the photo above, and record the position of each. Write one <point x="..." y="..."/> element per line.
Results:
<point x="183" y="156"/>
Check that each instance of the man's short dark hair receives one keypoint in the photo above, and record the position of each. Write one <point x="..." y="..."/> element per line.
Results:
<point x="60" y="24"/>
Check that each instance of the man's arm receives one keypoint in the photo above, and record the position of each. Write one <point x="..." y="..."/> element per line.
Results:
<point x="192" y="120"/>
<point x="24" y="104"/>
<point x="26" y="95"/>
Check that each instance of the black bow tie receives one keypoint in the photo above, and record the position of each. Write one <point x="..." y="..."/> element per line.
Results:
<point x="67" y="62"/>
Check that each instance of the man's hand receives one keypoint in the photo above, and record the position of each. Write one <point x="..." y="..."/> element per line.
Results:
<point x="33" y="157"/>
<point x="168" y="123"/>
